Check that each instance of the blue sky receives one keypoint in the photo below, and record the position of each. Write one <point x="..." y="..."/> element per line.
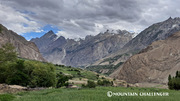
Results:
<point x="42" y="31"/>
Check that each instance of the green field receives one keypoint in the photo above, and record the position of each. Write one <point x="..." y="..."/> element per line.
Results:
<point x="96" y="94"/>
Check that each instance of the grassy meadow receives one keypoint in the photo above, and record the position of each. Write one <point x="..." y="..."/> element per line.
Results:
<point x="87" y="94"/>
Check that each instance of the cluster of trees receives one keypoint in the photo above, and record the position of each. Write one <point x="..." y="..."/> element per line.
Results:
<point x="59" y="65"/>
<point x="174" y="82"/>
<point x="104" y="83"/>
<point x="27" y="73"/>
<point x="92" y="84"/>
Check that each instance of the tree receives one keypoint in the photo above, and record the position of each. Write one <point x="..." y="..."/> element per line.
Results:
<point x="28" y="73"/>
<point x="43" y="75"/>
<point x="169" y="77"/>
<point x="0" y="29"/>
<point x="176" y="74"/>
<point x="174" y="82"/>
<point x="16" y="74"/>
<point x="61" y="80"/>
<point x="7" y="53"/>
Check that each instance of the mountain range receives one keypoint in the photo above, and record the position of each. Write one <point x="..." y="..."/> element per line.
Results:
<point x="106" y="52"/>
<point x="155" y="32"/>
<point x="83" y="52"/>
<point x="149" y="57"/>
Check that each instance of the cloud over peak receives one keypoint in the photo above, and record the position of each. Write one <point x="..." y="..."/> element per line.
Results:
<point x="78" y="18"/>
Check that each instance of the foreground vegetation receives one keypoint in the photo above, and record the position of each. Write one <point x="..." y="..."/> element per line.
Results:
<point x="31" y="73"/>
<point x="25" y="73"/>
<point x="38" y="74"/>
<point x="93" y="94"/>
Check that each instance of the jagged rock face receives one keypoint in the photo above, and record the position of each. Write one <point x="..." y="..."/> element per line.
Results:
<point x="95" y="48"/>
<point x="158" y="31"/>
<point x="24" y="48"/>
<point x="154" y="63"/>
<point x="83" y="52"/>
<point x="43" y="42"/>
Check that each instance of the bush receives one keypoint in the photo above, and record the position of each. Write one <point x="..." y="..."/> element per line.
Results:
<point x="79" y="74"/>
<point x="62" y="80"/>
<point x="104" y="83"/>
<point x="102" y="78"/>
<point x="83" y="86"/>
<point x="28" y="73"/>
<point x="41" y="74"/>
<point x="91" y="84"/>
<point x="16" y="74"/>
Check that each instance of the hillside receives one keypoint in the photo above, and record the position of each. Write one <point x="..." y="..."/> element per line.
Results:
<point x="24" y="48"/>
<point x="153" y="64"/>
<point x="108" y="65"/>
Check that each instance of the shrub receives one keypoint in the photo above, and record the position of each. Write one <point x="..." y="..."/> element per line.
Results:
<point x="16" y="74"/>
<point x="104" y="83"/>
<point x="32" y="73"/>
<point x="83" y="86"/>
<point x="42" y="75"/>
<point x="79" y="74"/>
<point x="91" y="84"/>
<point x="62" y="80"/>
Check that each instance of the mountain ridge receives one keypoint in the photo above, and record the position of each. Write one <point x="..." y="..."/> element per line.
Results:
<point x="24" y="48"/>
<point x="77" y="53"/>
<point x="157" y="31"/>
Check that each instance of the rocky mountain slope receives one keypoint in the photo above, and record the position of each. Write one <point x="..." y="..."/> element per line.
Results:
<point x="158" y="31"/>
<point x="153" y="64"/>
<point x="59" y="50"/>
<point x="24" y="48"/>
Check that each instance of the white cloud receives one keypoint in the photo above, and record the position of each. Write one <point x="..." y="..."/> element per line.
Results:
<point x="38" y="31"/>
<point x="78" y="18"/>
<point x="17" y="21"/>
<point x="67" y="35"/>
